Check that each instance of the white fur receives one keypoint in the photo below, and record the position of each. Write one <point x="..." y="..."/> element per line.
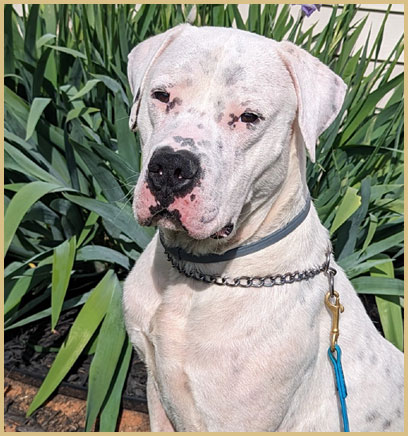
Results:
<point x="234" y="359"/>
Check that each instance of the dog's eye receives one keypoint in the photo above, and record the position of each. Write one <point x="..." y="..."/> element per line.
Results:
<point x="247" y="117"/>
<point x="162" y="96"/>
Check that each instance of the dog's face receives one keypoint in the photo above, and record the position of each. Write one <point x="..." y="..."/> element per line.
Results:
<point x="216" y="108"/>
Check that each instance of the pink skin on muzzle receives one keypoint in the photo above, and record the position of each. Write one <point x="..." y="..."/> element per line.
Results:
<point x="189" y="210"/>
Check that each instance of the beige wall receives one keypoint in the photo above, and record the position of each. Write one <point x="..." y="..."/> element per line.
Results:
<point x="394" y="27"/>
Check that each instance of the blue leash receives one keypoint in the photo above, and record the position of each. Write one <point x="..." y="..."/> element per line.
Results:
<point x="341" y="385"/>
<point x="332" y="301"/>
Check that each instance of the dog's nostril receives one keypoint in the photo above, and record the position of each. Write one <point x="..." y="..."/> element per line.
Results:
<point x="177" y="173"/>
<point x="155" y="168"/>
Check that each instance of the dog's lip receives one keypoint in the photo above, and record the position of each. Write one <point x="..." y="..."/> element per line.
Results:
<point x="167" y="217"/>
<point x="224" y="232"/>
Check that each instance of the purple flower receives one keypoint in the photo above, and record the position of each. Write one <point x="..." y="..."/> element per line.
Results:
<point x="309" y="9"/>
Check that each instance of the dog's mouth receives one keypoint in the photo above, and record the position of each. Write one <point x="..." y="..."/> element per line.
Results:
<point x="172" y="220"/>
<point x="167" y="219"/>
<point x="224" y="232"/>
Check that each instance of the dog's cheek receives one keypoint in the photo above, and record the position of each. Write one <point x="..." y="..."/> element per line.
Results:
<point x="196" y="212"/>
<point x="143" y="202"/>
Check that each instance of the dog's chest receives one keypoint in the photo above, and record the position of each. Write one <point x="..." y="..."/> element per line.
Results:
<point x="231" y="349"/>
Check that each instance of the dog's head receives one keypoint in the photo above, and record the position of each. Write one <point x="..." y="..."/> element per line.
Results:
<point x="216" y="109"/>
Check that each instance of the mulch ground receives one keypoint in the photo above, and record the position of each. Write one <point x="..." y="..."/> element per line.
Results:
<point x="60" y="414"/>
<point x="29" y="353"/>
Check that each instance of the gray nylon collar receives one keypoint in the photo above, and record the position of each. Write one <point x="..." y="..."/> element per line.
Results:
<point x="180" y="254"/>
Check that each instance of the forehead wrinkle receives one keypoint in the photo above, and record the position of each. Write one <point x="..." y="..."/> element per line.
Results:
<point x="218" y="66"/>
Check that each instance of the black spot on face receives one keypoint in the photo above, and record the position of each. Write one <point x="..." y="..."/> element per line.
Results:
<point x="372" y="416"/>
<point x="192" y="197"/>
<point x="173" y="103"/>
<point x="234" y="119"/>
<point x="200" y="126"/>
<point x="184" y="142"/>
<point x="219" y="145"/>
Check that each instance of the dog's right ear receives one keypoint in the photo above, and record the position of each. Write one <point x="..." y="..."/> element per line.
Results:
<point x="140" y="60"/>
<point x="320" y="92"/>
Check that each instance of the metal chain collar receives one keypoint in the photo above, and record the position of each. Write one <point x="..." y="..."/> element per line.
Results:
<point x="254" y="282"/>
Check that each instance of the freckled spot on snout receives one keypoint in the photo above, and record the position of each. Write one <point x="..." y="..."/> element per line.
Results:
<point x="192" y="197"/>
<point x="173" y="103"/>
<point x="219" y="145"/>
<point x="234" y="119"/>
<point x="204" y="143"/>
<point x="184" y="142"/>
<point x="200" y="126"/>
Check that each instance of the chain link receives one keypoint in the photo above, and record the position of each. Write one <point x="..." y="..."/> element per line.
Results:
<point x="250" y="282"/>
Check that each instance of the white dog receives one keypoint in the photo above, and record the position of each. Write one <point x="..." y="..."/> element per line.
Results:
<point x="224" y="119"/>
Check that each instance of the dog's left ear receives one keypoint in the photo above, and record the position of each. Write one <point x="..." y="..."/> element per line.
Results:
<point x="320" y="92"/>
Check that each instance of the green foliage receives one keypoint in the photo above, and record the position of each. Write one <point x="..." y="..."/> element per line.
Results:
<point x="71" y="163"/>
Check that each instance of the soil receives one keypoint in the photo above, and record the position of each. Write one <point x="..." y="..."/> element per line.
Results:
<point x="60" y="414"/>
<point x="29" y="353"/>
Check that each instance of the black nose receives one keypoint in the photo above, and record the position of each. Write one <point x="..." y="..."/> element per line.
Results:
<point x="172" y="173"/>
